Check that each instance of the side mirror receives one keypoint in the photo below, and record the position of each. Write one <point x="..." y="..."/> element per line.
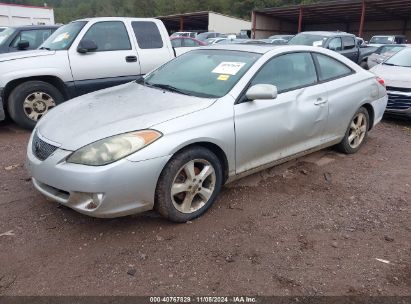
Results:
<point x="23" y="45"/>
<point x="86" y="46"/>
<point x="262" y="91"/>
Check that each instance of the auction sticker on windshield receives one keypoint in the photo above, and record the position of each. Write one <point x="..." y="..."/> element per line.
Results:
<point x="61" y="37"/>
<point x="230" y="68"/>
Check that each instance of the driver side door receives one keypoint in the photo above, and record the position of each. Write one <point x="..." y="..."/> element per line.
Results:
<point x="269" y="130"/>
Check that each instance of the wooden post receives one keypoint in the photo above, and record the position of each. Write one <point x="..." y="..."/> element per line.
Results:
<point x="361" y="30"/>
<point x="253" y="25"/>
<point x="300" y="20"/>
<point x="181" y="23"/>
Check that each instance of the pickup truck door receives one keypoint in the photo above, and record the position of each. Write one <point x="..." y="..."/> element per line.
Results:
<point x="114" y="62"/>
<point x="153" y="45"/>
<point x="350" y="48"/>
<point x="269" y="130"/>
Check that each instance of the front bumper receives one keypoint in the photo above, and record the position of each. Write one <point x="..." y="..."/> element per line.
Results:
<point x="399" y="102"/>
<point x="118" y="189"/>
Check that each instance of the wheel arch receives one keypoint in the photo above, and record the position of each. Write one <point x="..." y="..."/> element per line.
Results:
<point x="371" y="114"/>
<point x="216" y="149"/>
<point x="53" y="80"/>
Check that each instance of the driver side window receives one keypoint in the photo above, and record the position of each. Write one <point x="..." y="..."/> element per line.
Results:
<point x="109" y="36"/>
<point x="288" y="72"/>
<point x="335" y="44"/>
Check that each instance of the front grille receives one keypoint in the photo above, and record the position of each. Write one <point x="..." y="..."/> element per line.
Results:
<point x="398" y="89"/>
<point x="41" y="149"/>
<point x="398" y="98"/>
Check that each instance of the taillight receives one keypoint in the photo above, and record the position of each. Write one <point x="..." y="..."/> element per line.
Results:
<point x="381" y="81"/>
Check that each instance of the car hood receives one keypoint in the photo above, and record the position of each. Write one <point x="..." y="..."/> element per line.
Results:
<point x="113" y="111"/>
<point x="25" y="54"/>
<point x="394" y="76"/>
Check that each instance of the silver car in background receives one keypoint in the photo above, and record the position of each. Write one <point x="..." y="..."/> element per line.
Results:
<point x="396" y="71"/>
<point x="383" y="53"/>
<point x="172" y="139"/>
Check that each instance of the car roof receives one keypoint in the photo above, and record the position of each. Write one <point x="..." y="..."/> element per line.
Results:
<point x="251" y="48"/>
<point x="328" y="34"/>
<point x="33" y="27"/>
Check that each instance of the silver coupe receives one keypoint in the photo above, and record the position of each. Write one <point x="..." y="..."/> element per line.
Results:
<point x="172" y="139"/>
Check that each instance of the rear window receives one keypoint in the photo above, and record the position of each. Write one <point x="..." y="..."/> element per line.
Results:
<point x="147" y="34"/>
<point x="331" y="68"/>
<point x="308" y="39"/>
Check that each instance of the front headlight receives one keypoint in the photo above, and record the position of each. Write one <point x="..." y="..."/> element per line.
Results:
<point x="111" y="149"/>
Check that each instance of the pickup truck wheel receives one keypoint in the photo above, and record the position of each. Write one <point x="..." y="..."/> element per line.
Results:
<point x="364" y="64"/>
<point x="31" y="100"/>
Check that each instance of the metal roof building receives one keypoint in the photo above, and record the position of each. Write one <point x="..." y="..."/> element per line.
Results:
<point x="364" y="18"/>
<point x="205" y="21"/>
<point x="16" y="14"/>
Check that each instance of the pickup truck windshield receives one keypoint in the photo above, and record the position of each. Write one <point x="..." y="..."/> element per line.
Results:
<point x="63" y="37"/>
<point x="203" y="73"/>
<point x="402" y="58"/>
<point x="4" y="35"/>
<point x="308" y="39"/>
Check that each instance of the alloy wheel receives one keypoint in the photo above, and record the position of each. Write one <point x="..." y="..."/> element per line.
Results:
<point x="358" y="130"/>
<point x="37" y="104"/>
<point x="193" y="186"/>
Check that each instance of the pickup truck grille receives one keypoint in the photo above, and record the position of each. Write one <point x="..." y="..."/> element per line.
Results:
<point x="41" y="149"/>
<point x="398" y="98"/>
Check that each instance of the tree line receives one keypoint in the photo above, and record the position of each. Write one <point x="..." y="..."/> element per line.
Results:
<point x="68" y="10"/>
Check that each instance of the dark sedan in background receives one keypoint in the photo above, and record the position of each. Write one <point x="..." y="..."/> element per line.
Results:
<point x="22" y="38"/>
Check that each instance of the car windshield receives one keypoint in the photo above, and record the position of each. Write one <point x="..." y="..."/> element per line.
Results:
<point x="402" y="58"/>
<point x="63" y="37"/>
<point x="382" y="40"/>
<point x="308" y="39"/>
<point x="391" y="49"/>
<point x="203" y="73"/>
<point x="4" y="35"/>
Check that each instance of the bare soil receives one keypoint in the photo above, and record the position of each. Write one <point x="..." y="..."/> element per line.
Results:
<point x="315" y="226"/>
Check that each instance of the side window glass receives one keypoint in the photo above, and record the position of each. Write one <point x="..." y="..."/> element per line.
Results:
<point x="335" y="44"/>
<point x="29" y="36"/>
<point x="189" y="43"/>
<point x="147" y="34"/>
<point x="331" y="68"/>
<point x="287" y="72"/>
<point x="176" y="43"/>
<point x="109" y="36"/>
<point x="348" y="42"/>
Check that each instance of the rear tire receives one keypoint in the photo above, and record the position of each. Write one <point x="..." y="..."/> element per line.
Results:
<point x="364" y="65"/>
<point x="31" y="100"/>
<point x="188" y="185"/>
<point x="356" y="133"/>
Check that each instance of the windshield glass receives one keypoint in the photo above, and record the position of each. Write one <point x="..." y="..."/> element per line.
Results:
<point x="63" y="37"/>
<point x="203" y="73"/>
<point x="4" y="35"/>
<point x="381" y="40"/>
<point x="402" y="58"/>
<point x="308" y="39"/>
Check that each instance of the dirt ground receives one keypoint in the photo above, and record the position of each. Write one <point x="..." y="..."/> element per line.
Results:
<point x="326" y="224"/>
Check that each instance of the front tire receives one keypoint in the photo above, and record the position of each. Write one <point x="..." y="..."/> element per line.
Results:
<point x="357" y="132"/>
<point x="31" y="100"/>
<point x="188" y="185"/>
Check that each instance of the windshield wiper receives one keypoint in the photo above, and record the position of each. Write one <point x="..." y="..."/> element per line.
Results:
<point x="390" y="64"/>
<point x="44" y="48"/>
<point x="167" y="87"/>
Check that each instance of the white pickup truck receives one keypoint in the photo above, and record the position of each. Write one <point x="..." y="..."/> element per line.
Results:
<point x="80" y="57"/>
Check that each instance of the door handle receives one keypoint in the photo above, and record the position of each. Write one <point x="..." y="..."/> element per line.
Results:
<point x="320" y="101"/>
<point x="131" y="59"/>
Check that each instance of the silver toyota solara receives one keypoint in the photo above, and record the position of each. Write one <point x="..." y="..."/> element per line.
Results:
<point x="170" y="140"/>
